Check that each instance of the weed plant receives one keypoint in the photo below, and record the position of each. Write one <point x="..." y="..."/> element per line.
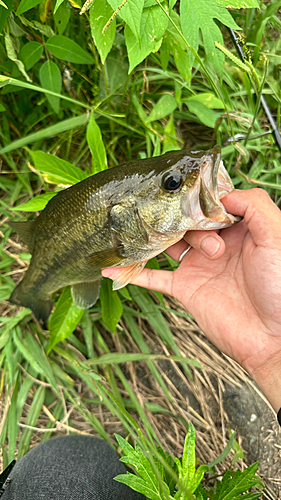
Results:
<point x="81" y="93"/>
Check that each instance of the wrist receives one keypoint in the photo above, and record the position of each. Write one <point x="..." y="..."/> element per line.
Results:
<point x="268" y="378"/>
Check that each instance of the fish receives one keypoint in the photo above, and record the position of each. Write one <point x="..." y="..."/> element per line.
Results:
<point x="120" y="217"/>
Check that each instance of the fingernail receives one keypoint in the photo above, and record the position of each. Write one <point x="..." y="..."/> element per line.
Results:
<point x="210" y="246"/>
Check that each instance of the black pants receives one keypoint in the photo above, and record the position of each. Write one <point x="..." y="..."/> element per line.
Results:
<point x="69" y="468"/>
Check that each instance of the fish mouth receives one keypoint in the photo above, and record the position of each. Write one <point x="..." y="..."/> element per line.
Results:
<point x="203" y="199"/>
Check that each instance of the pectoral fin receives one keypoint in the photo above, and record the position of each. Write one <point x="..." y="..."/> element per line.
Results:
<point x="123" y="276"/>
<point x="108" y="258"/>
<point x="85" y="295"/>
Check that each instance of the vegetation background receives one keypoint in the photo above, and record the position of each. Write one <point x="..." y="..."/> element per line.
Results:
<point x="73" y="101"/>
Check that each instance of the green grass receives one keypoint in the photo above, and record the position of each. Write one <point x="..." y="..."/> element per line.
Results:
<point x="157" y="107"/>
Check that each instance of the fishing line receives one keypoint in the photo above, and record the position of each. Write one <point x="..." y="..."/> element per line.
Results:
<point x="274" y="129"/>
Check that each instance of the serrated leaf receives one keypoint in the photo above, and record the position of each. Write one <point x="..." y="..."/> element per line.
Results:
<point x="100" y="13"/>
<point x="26" y="5"/>
<point x="30" y="54"/>
<point x="64" y="319"/>
<point x="35" y="204"/>
<point x="154" y="23"/>
<point x="66" y="49"/>
<point x="112" y="308"/>
<point x="58" y="170"/>
<point x="198" y="15"/>
<point x="130" y="13"/>
<point x="147" y="483"/>
<point x="95" y="143"/>
<point x="50" y="78"/>
<point x="239" y="4"/>
<point x="165" y="106"/>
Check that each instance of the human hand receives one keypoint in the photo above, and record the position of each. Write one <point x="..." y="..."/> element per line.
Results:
<point x="235" y="293"/>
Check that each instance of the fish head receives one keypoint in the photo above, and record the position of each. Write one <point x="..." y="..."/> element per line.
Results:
<point x="186" y="190"/>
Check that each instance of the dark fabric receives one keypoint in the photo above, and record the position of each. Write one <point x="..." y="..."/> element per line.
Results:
<point x="69" y="468"/>
<point x="279" y="417"/>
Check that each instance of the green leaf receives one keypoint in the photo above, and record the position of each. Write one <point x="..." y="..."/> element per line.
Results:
<point x="170" y="141"/>
<point x="58" y="171"/>
<point x="208" y="99"/>
<point x="130" y="13"/>
<point x="198" y="15"/>
<point x="147" y="483"/>
<point x="35" y="204"/>
<point x="205" y="115"/>
<point x="4" y="13"/>
<point x="2" y="4"/>
<point x="62" y="16"/>
<point x="165" y="106"/>
<point x="30" y="54"/>
<point x="41" y="359"/>
<point x="58" y="4"/>
<point x="66" y="49"/>
<point x="239" y="4"/>
<point x="100" y="13"/>
<point x="11" y="53"/>
<point x="26" y="5"/>
<point x="33" y="414"/>
<point x="225" y="452"/>
<point x="53" y="130"/>
<point x="95" y="143"/>
<point x="178" y="48"/>
<point x="188" y="458"/>
<point x="154" y="23"/>
<point x="112" y="308"/>
<point x="230" y="488"/>
<point x="50" y="78"/>
<point x="64" y="319"/>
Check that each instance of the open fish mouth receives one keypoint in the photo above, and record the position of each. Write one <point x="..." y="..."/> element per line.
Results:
<point x="203" y="199"/>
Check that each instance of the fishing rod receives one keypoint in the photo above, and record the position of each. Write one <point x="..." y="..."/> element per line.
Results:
<point x="274" y="129"/>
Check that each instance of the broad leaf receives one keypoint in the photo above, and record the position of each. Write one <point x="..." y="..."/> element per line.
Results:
<point x="239" y="4"/>
<point x="58" y="171"/>
<point x="100" y="13"/>
<point x="96" y="146"/>
<point x="112" y="308"/>
<point x="50" y="78"/>
<point x="130" y="13"/>
<point x="165" y="106"/>
<point x="199" y="14"/>
<point x="205" y="115"/>
<point x="62" y="16"/>
<point x="64" y="319"/>
<point x="30" y="54"/>
<point x="66" y="49"/>
<point x="208" y="99"/>
<point x="26" y="5"/>
<point x="35" y="204"/>
<point x="154" y="23"/>
<point x="170" y="141"/>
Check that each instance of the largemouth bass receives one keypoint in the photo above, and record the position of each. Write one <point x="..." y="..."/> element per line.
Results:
<point x="119" y="217"/>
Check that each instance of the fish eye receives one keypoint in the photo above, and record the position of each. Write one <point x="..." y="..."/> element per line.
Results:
<point x="172" y="181"/>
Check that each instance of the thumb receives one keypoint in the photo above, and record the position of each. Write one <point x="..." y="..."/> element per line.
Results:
<point x="260" y="213"/>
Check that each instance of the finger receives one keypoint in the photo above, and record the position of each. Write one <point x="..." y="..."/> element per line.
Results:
<point x="208" y="243"/>
<point x="176" y="250"/>
<point x="159" y="281"/>
<point x="260" y="213"/>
